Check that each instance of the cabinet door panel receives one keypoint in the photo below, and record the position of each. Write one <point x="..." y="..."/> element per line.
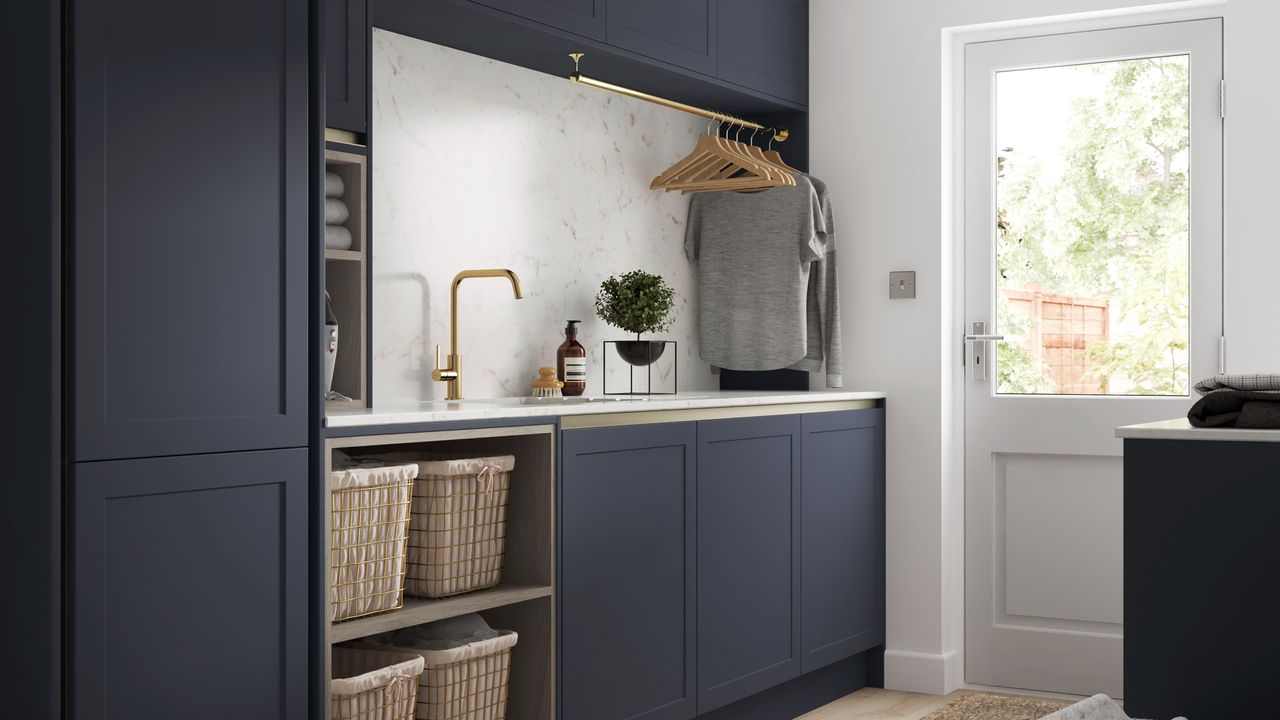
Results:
<point x="626" y="599"/>
<point x="842" y="572"/>
<point x="188" y="587"/>
<point x="346" y="64"/>
<point x="764" y="45"/>
<point x="581" y="17"/>
<point x="680" y="32"/>
<point x="189" y="226"/>
<point x="748" y="556"/>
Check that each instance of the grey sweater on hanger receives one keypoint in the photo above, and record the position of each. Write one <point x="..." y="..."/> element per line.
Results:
<point x="823" y="305"/>
<point x="755" y="254"/>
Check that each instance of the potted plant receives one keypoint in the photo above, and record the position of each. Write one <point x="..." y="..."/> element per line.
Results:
<point x="637" y="302"/>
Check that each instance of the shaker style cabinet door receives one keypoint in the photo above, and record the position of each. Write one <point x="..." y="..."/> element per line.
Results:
<point x="626" y="602"/>
<point x="681" y="32"/>
<point x="346" y="66"/>
<point x="188" y="587"/>
<point x="842" y="506"/>
<point x="764" y="45"/>
<point x="188" y="233"/>
<point x="580" y="17"/>
<point x="748" y="556"/>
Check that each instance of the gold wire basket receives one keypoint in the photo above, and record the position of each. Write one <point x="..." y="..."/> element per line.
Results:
<point x="458" y="528"/>
<point x="374" y="684"/>
<point x="369" y="532"/>
<point x="467" y="683"/>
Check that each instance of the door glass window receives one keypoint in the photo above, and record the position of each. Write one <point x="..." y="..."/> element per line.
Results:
<point x="1092" y="228"/>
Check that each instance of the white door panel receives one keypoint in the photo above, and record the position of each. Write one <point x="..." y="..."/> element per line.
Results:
<point x="1093" y="245"/>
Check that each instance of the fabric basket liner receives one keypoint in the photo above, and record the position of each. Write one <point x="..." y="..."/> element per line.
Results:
<point x="410" y="667"/>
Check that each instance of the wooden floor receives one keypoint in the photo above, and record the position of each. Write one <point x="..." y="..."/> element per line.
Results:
<point x="877" y="704"/>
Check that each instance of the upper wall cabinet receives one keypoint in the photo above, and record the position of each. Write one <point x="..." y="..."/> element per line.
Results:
<point x="346" y="51"/>
<point x="189" y="224"/>
<point x="581" y="17"/>
<point x="764" y="45"/>
<point x="680" y="32"/>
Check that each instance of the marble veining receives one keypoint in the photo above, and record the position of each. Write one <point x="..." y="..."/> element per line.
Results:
<point x="478" y="163"/>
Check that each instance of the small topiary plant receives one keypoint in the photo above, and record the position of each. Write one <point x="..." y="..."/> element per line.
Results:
<point x="637" y="302"/>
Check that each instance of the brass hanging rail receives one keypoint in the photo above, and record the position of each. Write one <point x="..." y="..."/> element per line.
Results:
<point x="779" y="134"/>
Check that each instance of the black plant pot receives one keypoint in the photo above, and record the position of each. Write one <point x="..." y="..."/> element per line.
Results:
<point x="641" y="352"/>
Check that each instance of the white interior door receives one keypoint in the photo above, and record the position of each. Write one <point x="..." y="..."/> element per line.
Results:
<point x="1093" y="245"/>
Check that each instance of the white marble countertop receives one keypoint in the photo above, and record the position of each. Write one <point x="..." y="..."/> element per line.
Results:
<point x="505" y="408"/>
<point x="1181" y="429"/>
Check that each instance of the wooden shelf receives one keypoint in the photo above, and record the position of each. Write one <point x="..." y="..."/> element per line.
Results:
<point x="417" y="611"/>
<point x="345" y="255"/>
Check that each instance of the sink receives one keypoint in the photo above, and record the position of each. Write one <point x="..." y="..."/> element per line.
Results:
<point x="567" y="400"/>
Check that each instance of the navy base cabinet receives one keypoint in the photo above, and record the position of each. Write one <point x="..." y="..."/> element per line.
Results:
<point x="724" y="568"/>
<point x="748" y="556"/>
<point x="842" y="533"/>
<point x="1200" y="587"/>
<point x="188" y="587"/>
<point x="626" y="599"/>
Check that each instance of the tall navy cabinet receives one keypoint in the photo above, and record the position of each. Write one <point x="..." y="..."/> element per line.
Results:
<point x="748" y="556"/>
<point x="346" y="49"/>
<point x="187" y="228"/>
<point x="626" y="601"/>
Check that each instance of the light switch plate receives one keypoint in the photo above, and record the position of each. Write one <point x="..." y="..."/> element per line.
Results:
<point x="902" y="284"/>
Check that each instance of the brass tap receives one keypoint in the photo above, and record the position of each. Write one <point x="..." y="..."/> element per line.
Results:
<point x="451" y="374"/>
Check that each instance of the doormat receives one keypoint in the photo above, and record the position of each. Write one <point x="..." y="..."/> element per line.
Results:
<point x="984" y="706"/>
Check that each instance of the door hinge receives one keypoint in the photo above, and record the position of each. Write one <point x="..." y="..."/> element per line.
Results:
<point x="1222" y="355"/>
<point x="1222" y="99"/>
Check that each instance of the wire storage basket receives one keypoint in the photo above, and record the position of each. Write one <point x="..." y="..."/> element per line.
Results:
<point x="374" y="684"/>
<point x="471" y="682"/>
<point x="458" y="528"/>
<point x="368" y="539"/>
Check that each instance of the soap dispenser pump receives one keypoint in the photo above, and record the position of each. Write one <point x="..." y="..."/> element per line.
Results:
<point x="571" y="361"/>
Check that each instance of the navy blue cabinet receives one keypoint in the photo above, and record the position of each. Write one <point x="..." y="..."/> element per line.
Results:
<point x="764" y="45"/>
<point x="702" y="564"/>
<point x="748" y="556"/>
<point x="188" y="587"/>
<point x="581" y="17"/>
<point x="188" y="226"/>
<point x="680" y="32"/>
<point x="842" y="533"/>
<point x="346" y="66"/>
<point x="627" y="553"/>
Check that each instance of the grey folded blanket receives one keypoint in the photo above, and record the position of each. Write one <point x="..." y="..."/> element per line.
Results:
<point x="1237" y="408"/>
<point x="1256" y="381"/>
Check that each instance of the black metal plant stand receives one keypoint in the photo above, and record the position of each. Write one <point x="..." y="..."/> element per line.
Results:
<point x="651" y="357"/>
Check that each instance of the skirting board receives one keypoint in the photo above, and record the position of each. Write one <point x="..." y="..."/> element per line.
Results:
<point x="932" y="673"/>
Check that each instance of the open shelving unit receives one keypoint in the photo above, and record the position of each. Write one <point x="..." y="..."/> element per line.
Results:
<point x="346" y="278"/>
<point x="525" y="601"/>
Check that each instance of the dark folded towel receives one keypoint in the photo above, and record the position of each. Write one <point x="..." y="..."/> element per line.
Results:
<point x="1237" y="408"/>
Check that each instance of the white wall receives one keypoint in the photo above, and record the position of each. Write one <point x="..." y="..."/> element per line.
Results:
<point x="482" y="164"/>
<point x="877" y="112"/>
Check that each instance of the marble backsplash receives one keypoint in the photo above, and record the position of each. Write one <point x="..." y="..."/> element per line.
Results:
<point x="480" y="164"/>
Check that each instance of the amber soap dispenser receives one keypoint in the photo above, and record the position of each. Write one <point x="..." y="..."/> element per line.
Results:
<point x="571" y="361"/>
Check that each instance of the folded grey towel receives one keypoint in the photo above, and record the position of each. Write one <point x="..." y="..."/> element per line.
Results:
<point x="336" y="211"/>
<point x="334" y="187"/>
<point x="1262" y="382"/>
<point x="337" y="237"/>
<point x="444" y="634"/>
<point x="1237" y="408"/>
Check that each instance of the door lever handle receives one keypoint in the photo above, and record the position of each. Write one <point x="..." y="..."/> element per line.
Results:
<point x="980" y="338"/>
